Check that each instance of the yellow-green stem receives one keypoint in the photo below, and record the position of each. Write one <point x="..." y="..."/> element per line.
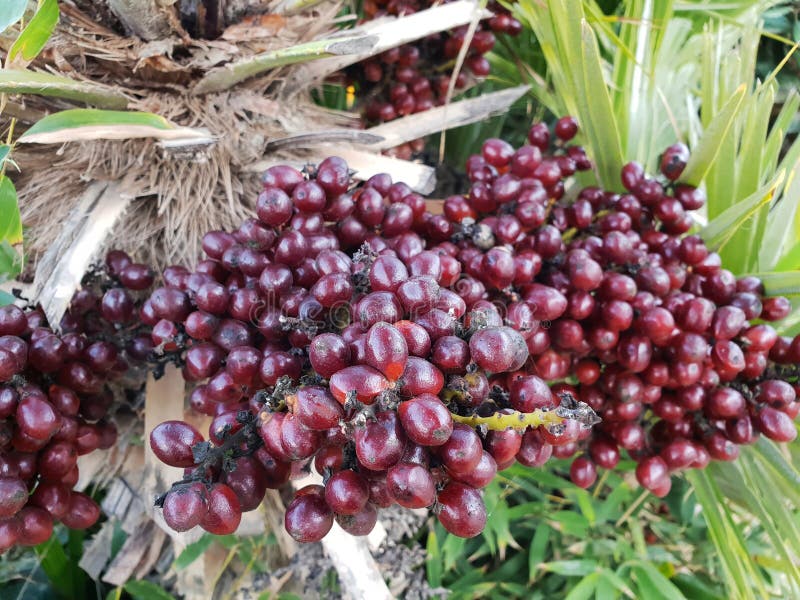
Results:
<point x="514" y="420"/>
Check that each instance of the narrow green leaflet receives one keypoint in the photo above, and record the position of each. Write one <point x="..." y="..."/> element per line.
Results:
<point x="603" y="124"/>
<point x="93" y="124"/>
<point x="35" y="35"/>
<point x="571" y="568"/>
<point x="433" y="560"/>
<point x="22" y="81"/>
<point x="585" y="588"/>
<point x="11" y="11"/>
<point x="146" y="590"/>
<point x="704" y="154"/>
<point x="10" y="221"/>
<point x="193" y="551"/>
<point x="740" y="578"/>
<point x="719" y="231"/>
<point x="653" y="585"/>
<point x="225" y="77"/>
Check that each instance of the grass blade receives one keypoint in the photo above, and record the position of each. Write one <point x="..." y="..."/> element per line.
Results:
<point x="706" y="151"/>
<point x="720" y="231"/>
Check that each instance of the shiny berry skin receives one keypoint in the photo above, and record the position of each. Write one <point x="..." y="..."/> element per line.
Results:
<point x="346" y="492"/>
<point x="653" y="475"/>
<point x="316" y="408"/>
<point x="411" y="485"/>
<point x="36" y="526"/>
<point x="361" y="523"/>
<point x="463" y="512"/>
<point x="566" y="128"/>
<point x="185" y="506"/>
<point x="328" y="354"/>
<point x="366" y="382"/>
<point x="224" y="511"/>
<point x="13" y="496"/>
<point x="36" y="417"/>
<point x="308" y="517"/>
<point x="386" y="350"/>
<point x="582" y="472"/>
<point x="776" y="425"/>
<point x="420" y="377"/>
<point x="82" y="511"/>
<point x="498" y="349"/>
<point x="674" y="160"/>
<point x="380" y="443"/>
<point x="172" y="441"/>
<point x="426" y="420"/>
<point x="462" y="452"/>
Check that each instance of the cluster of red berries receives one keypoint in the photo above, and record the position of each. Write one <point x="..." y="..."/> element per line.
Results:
<point x="415" y="77"/>
<point x="54" y="400"/>
<point x="324" y="331"/>
<point x="644" y="325"/>
<point x="409" y="356"/>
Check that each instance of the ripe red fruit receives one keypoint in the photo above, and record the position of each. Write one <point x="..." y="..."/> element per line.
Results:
<point x="13" y="496"/>
<point x="420" y="377"/>
<point x="53" y="497"/>
<point x="530" y="393"/>
<point x="36" y="526"/>
<point x="653" y="475"/>
<point x="308" y="517"/>
<point x="582" y="472"/>
<point x="426" y="420"/>
<point x="386" y="350"/>
<point x="498" y="349"/>
<point x="482" y="475"/>
<point x="82" y="512"/>
<point x="346" y="492"/>
<point x="328" y="354"/>
<point x="185" y="506"/>
<point x="462" y="452"/>
<point x="776" y="425"/>
<point x="360" y="523"/>
<point x="172" y="441"/>
<point x="411" y="485"/>
<point x="224" y="511"/>
<point x="462" y="511"/>
<point x="534" y="451"/>
<point x="380" y="443"/>
<point x="316" y="408"/>
<point x="366" y="382"/>
<point x="248" y="481"/>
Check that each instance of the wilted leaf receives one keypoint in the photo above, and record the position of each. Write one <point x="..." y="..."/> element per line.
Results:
<point x="92" y="124"/>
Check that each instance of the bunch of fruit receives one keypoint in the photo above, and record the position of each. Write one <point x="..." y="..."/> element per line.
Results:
<point x="644" y="325"/>
<point x="408" y="356"/>
<point x="416" y="77"/>
<point x="55" y="398"/>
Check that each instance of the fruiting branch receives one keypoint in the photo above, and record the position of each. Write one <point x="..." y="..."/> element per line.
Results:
<point x="569" y="409"/>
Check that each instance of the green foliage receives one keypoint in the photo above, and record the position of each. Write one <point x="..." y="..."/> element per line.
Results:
<point x="36" y="33"/>
<point x="565" y="542"/>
